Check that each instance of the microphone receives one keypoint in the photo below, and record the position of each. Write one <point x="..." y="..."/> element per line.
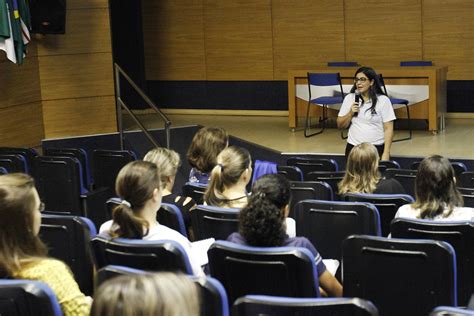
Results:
<point x="357" y="99"/>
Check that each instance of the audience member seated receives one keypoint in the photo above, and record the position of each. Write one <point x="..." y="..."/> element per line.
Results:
<point x="161" y="294"/>
<point x="363" y="176"/>
<point x="168" y="162"/>
<point x="262" y="224"/>
<point x="436" y="195"/>
<point x="138" y="184"/>
<point x="207" y="143"/>
<point x="229" y="178"/>
<point x="22" y="254"/>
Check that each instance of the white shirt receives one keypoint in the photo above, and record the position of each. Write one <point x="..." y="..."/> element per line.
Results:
<point x="458" y="214"/>
<point x="367" y="127"/>
<point x="161" y="232"/>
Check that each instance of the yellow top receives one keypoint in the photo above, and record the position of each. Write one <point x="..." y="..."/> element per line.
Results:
<point x="60" y="279"/>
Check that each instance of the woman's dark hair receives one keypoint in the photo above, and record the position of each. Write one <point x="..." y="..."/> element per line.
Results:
<point x="374" y="89"/>
<point x="135" y="184"/>
<point x="262" y="221"/>
<point x="207" y="143"/>
<point x="435" y="188"/>
<point x="231" y="163"/>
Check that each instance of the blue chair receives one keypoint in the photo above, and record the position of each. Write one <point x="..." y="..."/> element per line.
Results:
<point x="163" y="255"/>
<point x="458" y="167"/>
<point x="27" y="298"/>
<point x="67" y="238"/>
<point x="253" y="305"/>
<point x="330" y="177"/>
<point x="214" y="222"/>
<point x="13" y="163"/>
<point x="451" y="311"/>
<point x="195" y="191"/>
<point x="106" y="164"/>
<point x="466" y="179"/>
<point x="326" y="223"/>
<point x="308" y="190"/>
<point x="406" y="177"/>
<point x="28" y="153"/>
<point x="78" y="153"/>
<point x="416" y="63"/>
<point x="460" y="235"/>
<point x="386" y="204"/>
<point x="307" y="165"/>
<point x="400" y="276"/>
<point x="280" y="271"/>
<point x="386" y="164"/>
<point x="3" y="171"/>
<point x="111" y="271"/>
<point x="292" y="173"/>
<point x="342" y="64"/>
<point x="324" y="81"/>
<point x="398" y="103"/>
<point x="468" y="196"/>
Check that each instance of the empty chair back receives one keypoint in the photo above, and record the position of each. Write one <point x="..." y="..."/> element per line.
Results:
<point x="451" y="311"/>
<point x="3" y="171"/>
<point x="400" y="276"/>
<point x="386" y="204"/>
<point x="458" y="167"/>
<point x="326" y="224"/>
<point x="67" y="238"/>
<point x="214" y="222"/>
<point x="466" y="179"/>
<point x="280" y="271"/>
<point x="468" y="196"/>
<point x="309" y="190"/>
<point x="78" y="153"/>
<point x="292" y="173"/>
<point x="106" y="164"/>
<point x="170" y="215"/>
<point x="251" y="305"/>
<point x="111" y="271"/>
<point x="13" y="163"/>
<point x="406" y="178"/>
<point x="460" y="235"/>
<point x="308" y="165"/>
<point x="342" y="64"/>
<point x="414" y="63"/>
<point x="385" y="164"/>
<point x="28" y="153"/>
<point x="195" y="191"/>
<point x="330" y="177"/>
<point x="164" y="255"/>
<point x="27" y="298"/>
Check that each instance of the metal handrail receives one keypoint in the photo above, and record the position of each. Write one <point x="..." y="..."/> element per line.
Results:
<point x="120" y="103"/>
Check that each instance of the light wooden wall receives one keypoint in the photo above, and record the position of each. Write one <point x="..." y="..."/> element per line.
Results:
<point x="76" y="75"/>
<point x="262" y="39"/>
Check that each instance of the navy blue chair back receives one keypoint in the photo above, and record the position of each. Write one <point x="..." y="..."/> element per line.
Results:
<point x="451" y="311"/>
<point x="468" y="196"/>
<point x="415" y="63"/>
<point x="252" y="305"/>
<point x="106" y="164"/>
<point x="67" y="238"/>
<point x="460" y="235"/>
<point x="386" y="204"/>
<point x="195" y="191"/>
<point x="466" y="179"/>
<point x="280" y="271"/>
<point x="13" y="163"/>
<point x="406" y="178"/>
<point x="343" y="64"/>
<point x="214" y="222"/>
<point x="307" y="165"/>
<point x="400" y="276"/>
<point x="330" y="177"/>
<point x="3" y="171"/>
<point x="27" y="298"/>
<point x="170" y="216"/>
<point x="29" y="154"/>
<point x="111" y="271"/>
<point x="385" y="164"/>
<point x="459" y="167"/>
<point x="78" y="153"/>
<point x="308" y="190"/>
<point x="292" y="173"/>
<point x="163" y="255"/>
<point x="326" y="224"/>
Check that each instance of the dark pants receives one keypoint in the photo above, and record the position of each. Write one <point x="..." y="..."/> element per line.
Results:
<point x="380" y="149"/>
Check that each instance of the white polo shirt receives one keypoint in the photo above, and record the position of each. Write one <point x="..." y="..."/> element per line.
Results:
<point x="367" y="127"/>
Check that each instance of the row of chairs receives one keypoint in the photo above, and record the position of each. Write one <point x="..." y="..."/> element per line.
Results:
<point x="411" y="63"/>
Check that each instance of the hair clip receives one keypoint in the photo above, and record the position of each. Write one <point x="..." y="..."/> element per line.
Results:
<point x="126" y="203"/>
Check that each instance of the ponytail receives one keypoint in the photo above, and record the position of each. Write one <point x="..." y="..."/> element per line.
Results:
<point x="127" y="224"/>
<point x="215" y="187"/>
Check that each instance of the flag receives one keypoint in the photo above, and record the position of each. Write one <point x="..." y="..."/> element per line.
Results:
<point x="25" y="20"/>
<point x="6" y="42"/>
<point x="16" y="31"/>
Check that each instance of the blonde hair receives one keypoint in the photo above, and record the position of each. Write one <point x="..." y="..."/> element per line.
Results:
<point x="231" y="163"/>
<point x="167" y="161"/>
<point x="18" y="241"/>
<point x="207" y="143"/>
<point x="163" y="294"/>
<point x="362" y="173"/>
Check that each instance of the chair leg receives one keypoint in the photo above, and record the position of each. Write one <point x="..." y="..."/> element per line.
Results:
<point x="409" y="128"/>
<point x="307" y="124"/>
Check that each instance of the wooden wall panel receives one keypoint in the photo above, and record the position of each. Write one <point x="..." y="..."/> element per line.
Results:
<point x="306" y="34"/>
<point x="22" y="125"/>
<point x="76" y="76"/>
<point x="383" y="32"/>
<point x="87" y="4"/>
<point x="174" y="40"/>
<point x="87" y="31"/>
<point x="448" y="36"/>
<point x="238" y="39"/>
<point x="74" y="117"/>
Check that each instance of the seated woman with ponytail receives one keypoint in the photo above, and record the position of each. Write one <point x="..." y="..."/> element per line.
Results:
<point x="138" y="185"/>
<point x="262" y="224"/>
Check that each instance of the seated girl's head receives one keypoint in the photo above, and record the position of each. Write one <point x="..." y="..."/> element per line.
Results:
<point x="362" y="174"/>
<point x="167" y="161"/>
<point x="207" y="143"/>
<point x="163" y="294"/>
<point x="20" y="221"/>
<point x="234" y="166"/>
<point x="435" y="187"/>
<point x="262" y="221"/>
<point x="138" y="184"/>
